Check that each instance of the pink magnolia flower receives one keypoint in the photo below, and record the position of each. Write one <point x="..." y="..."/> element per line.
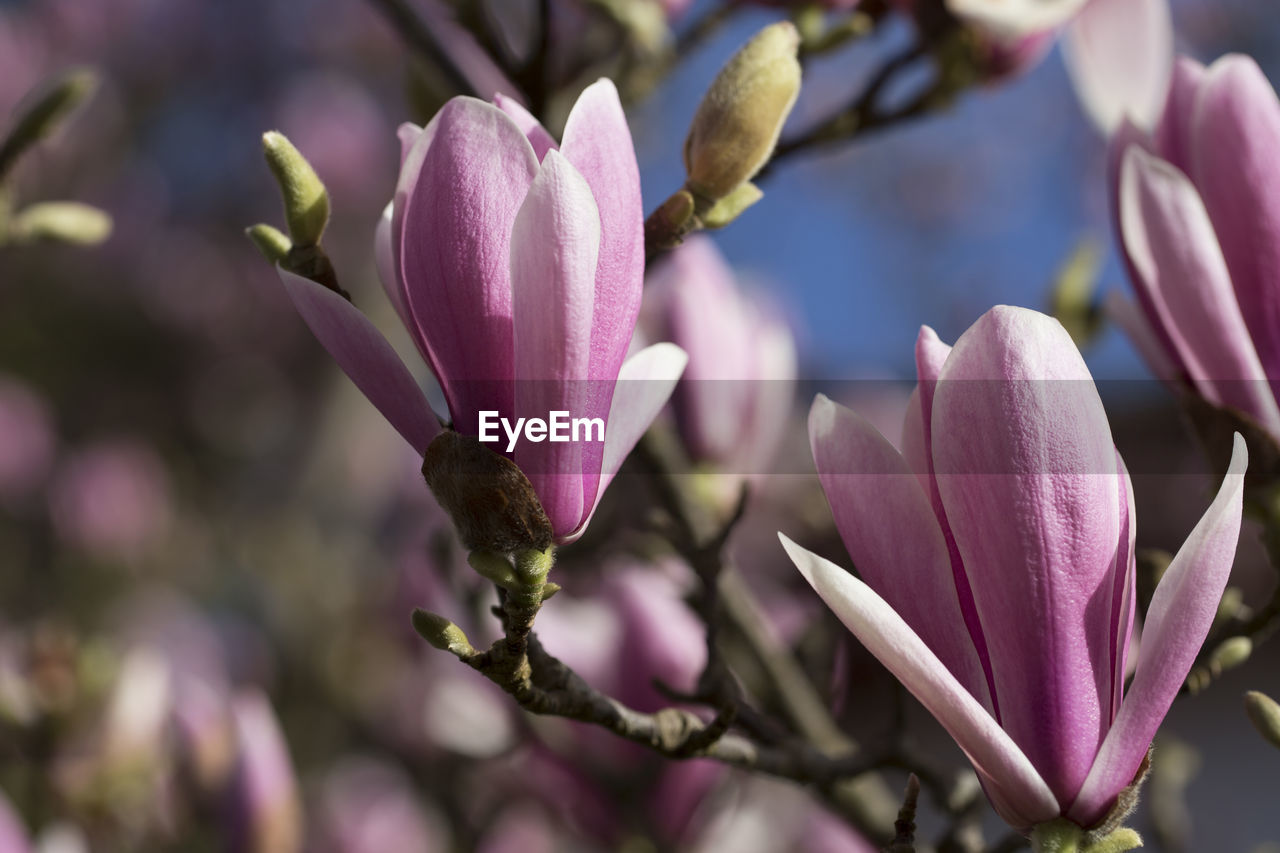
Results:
<point x="517" y="266"/>
<point x="1119" y="52"/>
<point x="997" y="569"/>
<point x="734" y="399"/>
<point x="1197" y="205"/>
<point x="265" y="806"/>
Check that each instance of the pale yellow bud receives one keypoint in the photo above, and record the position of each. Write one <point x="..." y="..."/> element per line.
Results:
<point x="306" y="202"/>
<point x="61" y="221"/>
<point x="1264" y="712"/>
<point x="738" y="122"/>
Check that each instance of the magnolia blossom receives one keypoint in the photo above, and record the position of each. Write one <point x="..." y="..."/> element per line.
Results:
<point x="997" y="567"/>
<point x="517" y="266"/>
<point x="1118" y="52"/>
<point x="734" y="398"/>
<point x="1198" y="212"/>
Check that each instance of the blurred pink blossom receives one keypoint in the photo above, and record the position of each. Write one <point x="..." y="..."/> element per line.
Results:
<point x="112" y="498"/>
<point x="27" y="440"/>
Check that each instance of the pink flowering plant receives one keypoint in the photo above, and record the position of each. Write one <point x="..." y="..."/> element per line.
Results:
<point x="510" y="507"/>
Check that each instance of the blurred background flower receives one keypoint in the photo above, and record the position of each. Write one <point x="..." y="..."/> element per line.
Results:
<point x="211" y="543"/>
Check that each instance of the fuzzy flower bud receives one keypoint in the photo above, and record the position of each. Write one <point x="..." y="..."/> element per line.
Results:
<point x="741" y="115"/>
<point x="306" y="201"/>
<point x="63" y="222"/>
<point x="1264" y="713"/>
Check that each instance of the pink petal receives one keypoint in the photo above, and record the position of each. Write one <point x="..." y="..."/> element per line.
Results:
<point x="1026" y="469"/>
<point x="645" y="383"/>
<point x="1173" y="135"/>
<point x="931" y="355"/>
<point x="1235" y="161"/>
<point x="1176" y="260"/>
<point x="453" y="229"/>
<point x="1181" y="613"/>
<point x="408" y="134"/>
<point x="384" y="259"/>
<point x="528" y="124"/>
<point x="705" y="317"/>
<point x="770" y="394"/>
<point x="1016" y="789"/>
<point x="890" y="531"/>
<point x="555" y="246"/>
<point x="598" y="143"/>
<point x="1120" y="57"/>
<point x="366" y="357"/>
<point x="1123" y="603"/>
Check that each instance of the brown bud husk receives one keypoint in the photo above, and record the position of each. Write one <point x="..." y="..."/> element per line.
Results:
<point x="491" y="501"/>
<point x="738" y="122"/>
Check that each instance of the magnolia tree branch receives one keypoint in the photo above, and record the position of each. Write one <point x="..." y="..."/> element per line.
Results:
<point x="542" y="684"/>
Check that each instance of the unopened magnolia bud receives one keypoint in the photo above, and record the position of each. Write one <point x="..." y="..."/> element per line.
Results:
<point x="741" y="115"/>
<point x="731" y="206"/>
<point x="306" y="202"/>
<point x="495" y="568"/>
<point x="45" y="108"/>
<point x="271" y="242"/>
<point x="61" y="221"/>
<point x="441" y="633"/>
<point x="1121" y="840"/>
<point x="1230" y="654"/>
<point x="1230" y="607"/>
<point x="1264" y="713"/>
<point x="491" y="501"/>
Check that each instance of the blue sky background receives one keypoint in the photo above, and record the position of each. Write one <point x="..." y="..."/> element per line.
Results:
<point x="934" y="222"/>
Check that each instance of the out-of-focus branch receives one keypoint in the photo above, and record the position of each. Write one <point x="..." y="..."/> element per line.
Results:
<point x="866" y="801"/>
<point x="421" y="39"/>
<point x="542" y="684"/>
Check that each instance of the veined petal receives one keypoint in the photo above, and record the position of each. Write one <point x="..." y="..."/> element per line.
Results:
<point x="1175" y="256"/>
<point x="1235" y="163"/>
<point x="890" y="531"/>
<point x="1026" y="470"/>
<point x="645" y="383"/>
<point x="1128" y="135"/>
<point x="555" y="246"/>
<point x="1123" y="602"/>
<point x="598" y="143"/>
<point x="366" y="357"/>
<point x="1119" y="54"/>
<point x="528" y="124"/>
<point x="1178" y="621"/>
<point x="931" y="355"/>
<point x="454" y="231"/>
<point x="1018" y="791"/>
<point x="1012" y="20"/>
